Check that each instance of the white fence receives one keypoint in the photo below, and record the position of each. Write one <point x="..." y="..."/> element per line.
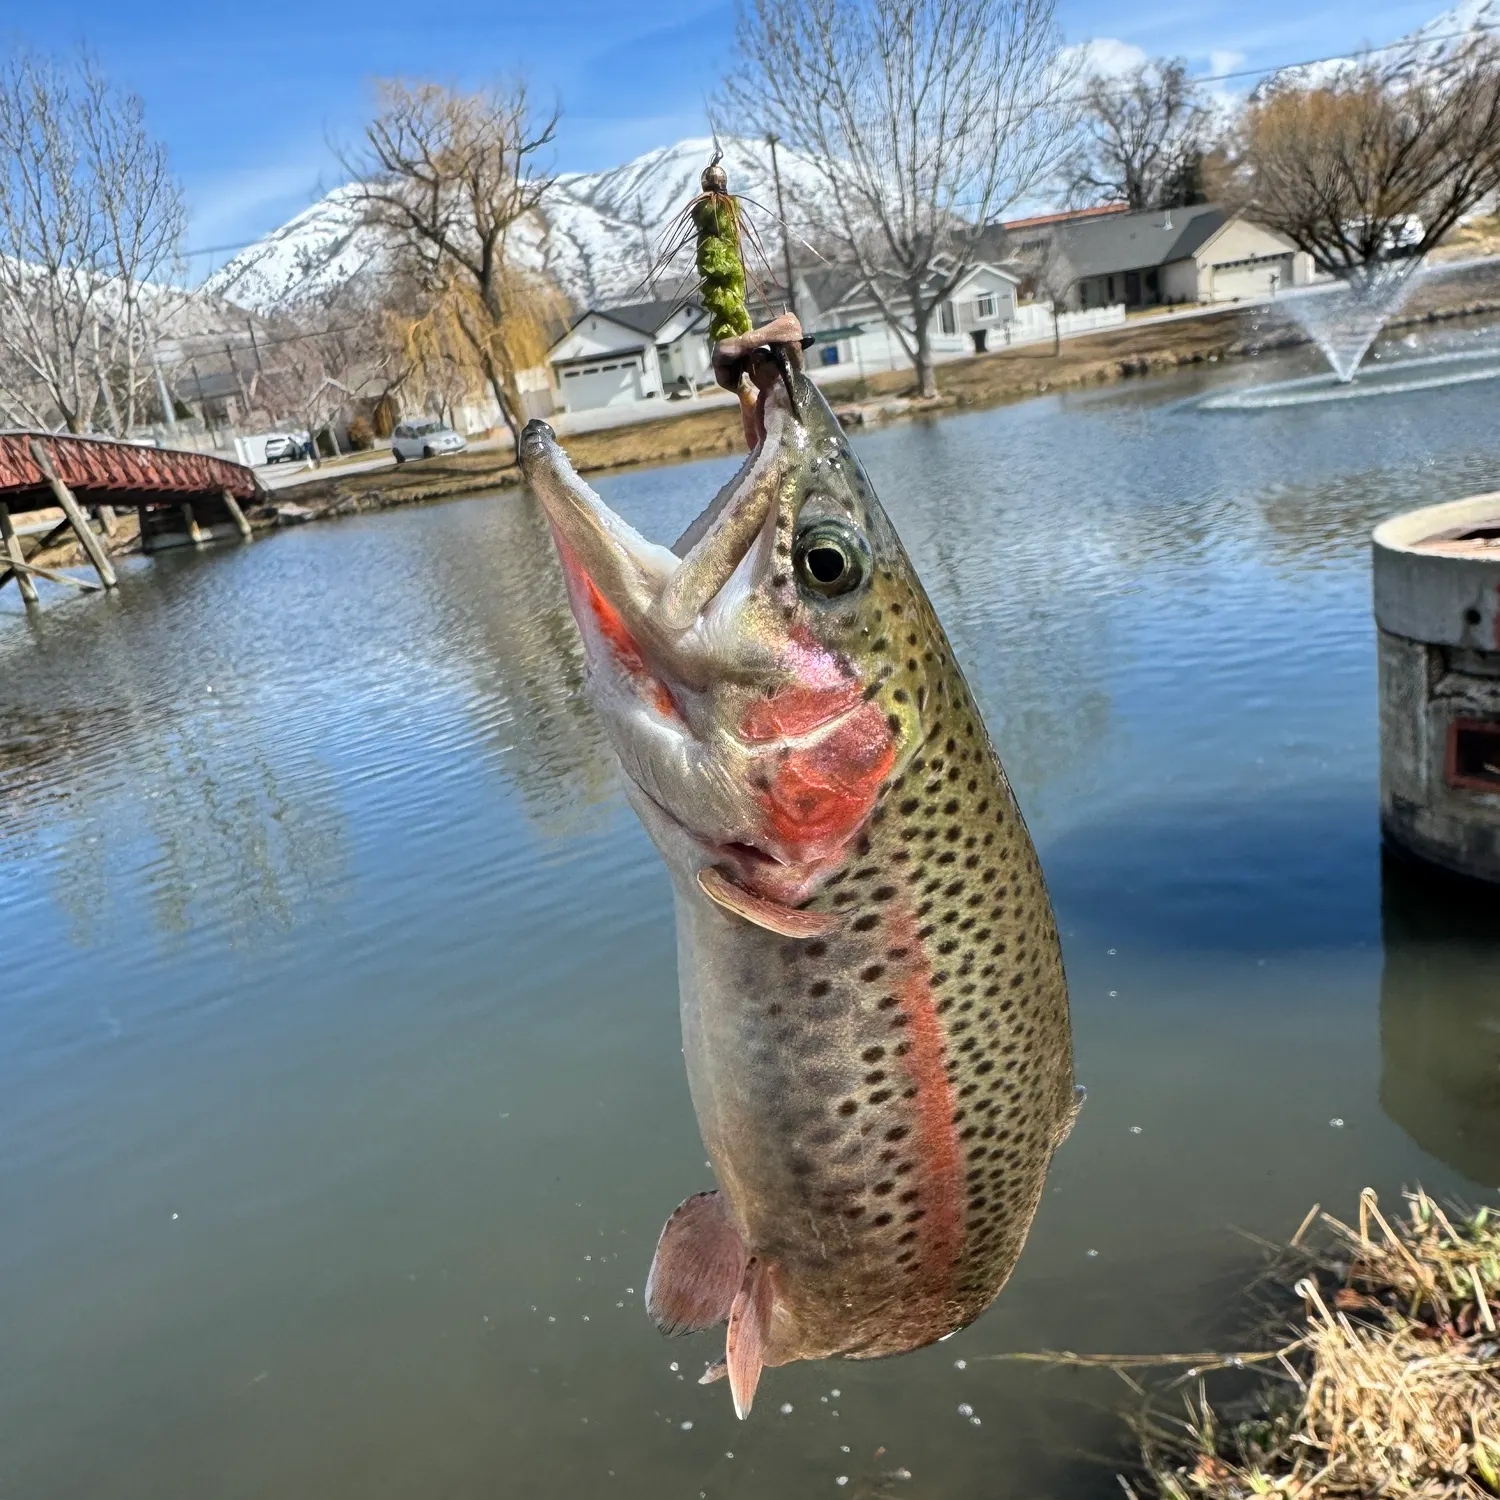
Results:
<point x="875" y="348"/>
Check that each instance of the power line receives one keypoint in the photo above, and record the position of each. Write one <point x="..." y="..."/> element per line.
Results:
<point x="1199" y="78"/>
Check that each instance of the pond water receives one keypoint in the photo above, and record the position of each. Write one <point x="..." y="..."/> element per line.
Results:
<point x="341" y="1099"/>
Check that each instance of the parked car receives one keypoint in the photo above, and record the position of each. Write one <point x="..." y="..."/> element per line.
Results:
<point x="426" y="437"/>
<point x="285" y="447"/>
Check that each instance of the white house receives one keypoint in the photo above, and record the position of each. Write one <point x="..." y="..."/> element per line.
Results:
<point x="617" y="354"/>
<point x="1194" y="254"/>
<point x="837" y="309"/>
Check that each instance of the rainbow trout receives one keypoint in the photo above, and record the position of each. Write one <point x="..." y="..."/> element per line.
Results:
<point x="874" y="1013"/>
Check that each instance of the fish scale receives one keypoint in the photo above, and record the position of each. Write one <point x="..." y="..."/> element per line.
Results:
<point x="874" y="1011"/>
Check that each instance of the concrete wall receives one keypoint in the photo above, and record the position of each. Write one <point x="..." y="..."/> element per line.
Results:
<point x="1437" y="609"/>
<point x="1179" y="281"/>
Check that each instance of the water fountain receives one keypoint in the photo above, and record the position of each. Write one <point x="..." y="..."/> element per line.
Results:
<point x="1344" y="320"/>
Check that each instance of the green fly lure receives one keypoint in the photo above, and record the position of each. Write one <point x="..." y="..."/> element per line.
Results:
<point x="721" y="265"/>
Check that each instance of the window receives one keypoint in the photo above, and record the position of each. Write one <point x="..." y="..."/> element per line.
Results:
<point x="1474" y="756"/>
<point x="984" y="305"/>
<point x="946" y="319"/>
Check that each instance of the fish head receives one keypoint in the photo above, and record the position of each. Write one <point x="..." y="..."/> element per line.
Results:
<point x="752" y="678"/>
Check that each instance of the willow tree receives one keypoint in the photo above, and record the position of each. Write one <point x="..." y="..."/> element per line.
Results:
<point x="451" y="180"/>
<point x="431" y="329"/>
<point x="925" y="119"/>
<point x="1373" y="167"/>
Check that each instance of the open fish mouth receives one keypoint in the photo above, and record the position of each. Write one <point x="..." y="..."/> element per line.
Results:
<point x="720" y="704"/>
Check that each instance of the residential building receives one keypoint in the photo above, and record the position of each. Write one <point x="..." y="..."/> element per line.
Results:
<point x="1194" y="254"/>
<point x="618" y="354"/>
<point x="839" y="311"/>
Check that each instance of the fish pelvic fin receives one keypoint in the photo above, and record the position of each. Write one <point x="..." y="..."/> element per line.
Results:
<point x="749" y="1333"/>
<point x="784" y="921"/>
<point x="698" y="1267"/>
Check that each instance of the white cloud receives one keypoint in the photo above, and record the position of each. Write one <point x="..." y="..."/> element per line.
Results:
<point x="1106" y="56"/>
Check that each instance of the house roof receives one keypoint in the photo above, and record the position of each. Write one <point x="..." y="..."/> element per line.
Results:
<point x="834" y="287"/>
<point x="1066" y="216"/>
<point x="641" y="317"/>
<point x="1133" y="242"/>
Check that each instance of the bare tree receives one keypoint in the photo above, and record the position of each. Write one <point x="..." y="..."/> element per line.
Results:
<point x="91" y="222"/>
<point x="1374" y="167"/>
<point x="1142" y="140"/>
<point x="1047" y="277"/>
<point x="329" y="351"/>
<point x="450" y="178"/>
<point x="926" y="120"/>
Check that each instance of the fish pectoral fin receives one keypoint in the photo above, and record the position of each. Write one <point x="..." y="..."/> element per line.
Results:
<point x="784" y="921"/>
<point x="1080" y="1094"/>
<point x="749" y="1333"/>
<point x="697" y="1269"/>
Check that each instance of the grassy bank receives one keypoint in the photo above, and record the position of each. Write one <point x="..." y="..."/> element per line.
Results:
<point x="1383" y="1375"/>
<point x="1137" y="348"/>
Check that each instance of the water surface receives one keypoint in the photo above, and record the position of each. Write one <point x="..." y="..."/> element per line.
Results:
<point x="341" y="1099"/>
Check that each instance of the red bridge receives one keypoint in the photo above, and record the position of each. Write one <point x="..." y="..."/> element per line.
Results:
<point x="180" y="497"/>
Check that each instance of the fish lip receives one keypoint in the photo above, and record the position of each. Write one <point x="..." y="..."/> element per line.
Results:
<point x="755" y="868"/>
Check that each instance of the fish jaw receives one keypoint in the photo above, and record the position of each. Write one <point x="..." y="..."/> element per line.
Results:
<point x="748" y="747"/>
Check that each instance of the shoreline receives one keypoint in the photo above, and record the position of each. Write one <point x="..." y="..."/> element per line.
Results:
<point x="987" y="380"/>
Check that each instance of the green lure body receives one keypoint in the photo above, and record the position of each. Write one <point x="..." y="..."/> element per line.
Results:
<point x="717" y="222"/>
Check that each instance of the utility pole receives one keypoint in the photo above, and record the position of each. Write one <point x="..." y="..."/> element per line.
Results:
<point x="640" y="223"/>
<point x="208" y="421"/>
<point x="786" y="241"/>
<point x="255" y="345"/>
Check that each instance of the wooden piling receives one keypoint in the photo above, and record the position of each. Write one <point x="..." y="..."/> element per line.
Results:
<point x="18" y="568"/>
<point x="106" y="514"/>
<point x="64" y="497"/>
<point x="236" y="514"/>
<point x="21" y="569"/>
<point x="190" y="523"/>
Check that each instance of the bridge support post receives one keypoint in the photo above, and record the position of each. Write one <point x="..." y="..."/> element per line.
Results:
<point x="190" y="523"/>
<point x="236" y="514"/>
<point x="14" y="553"/>
<point x="64" y="496"/>
<point x="106" y="514"/>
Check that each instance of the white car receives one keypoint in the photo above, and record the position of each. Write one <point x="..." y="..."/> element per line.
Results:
<point x="425" y="437"/>
<point x="285" y="447"/>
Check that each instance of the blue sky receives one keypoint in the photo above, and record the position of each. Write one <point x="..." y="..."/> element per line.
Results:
<point x="249" y="97"/>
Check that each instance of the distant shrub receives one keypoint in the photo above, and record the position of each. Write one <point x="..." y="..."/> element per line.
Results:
<point x="361" y="433"/>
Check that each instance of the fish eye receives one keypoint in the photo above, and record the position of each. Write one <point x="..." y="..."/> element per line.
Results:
<point x="830" y="559"/>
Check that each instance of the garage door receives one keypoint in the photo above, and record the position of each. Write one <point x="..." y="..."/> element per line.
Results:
<point x="606" y="384"/>
<point x="1251" y="278"/>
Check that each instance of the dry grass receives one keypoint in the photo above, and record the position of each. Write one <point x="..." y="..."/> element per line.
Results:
<point x="1385" y="1378"/>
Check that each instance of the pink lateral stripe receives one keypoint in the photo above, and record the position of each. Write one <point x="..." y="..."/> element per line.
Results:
<point x="939" y="1158"/>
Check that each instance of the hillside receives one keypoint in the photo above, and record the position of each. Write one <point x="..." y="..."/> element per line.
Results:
<point x="597" y="238"/>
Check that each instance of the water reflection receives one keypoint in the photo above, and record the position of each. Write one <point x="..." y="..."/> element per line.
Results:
<point x="132" y="787"/>
<point x="1440" y="1016"/>
<point x="504" y="596"/>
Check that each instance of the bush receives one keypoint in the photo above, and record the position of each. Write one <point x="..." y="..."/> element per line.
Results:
<point x="361" y="433"/>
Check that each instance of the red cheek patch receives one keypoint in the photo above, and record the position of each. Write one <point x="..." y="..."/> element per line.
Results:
<point x="821" y="794"/>
<point x="797" y="711"/>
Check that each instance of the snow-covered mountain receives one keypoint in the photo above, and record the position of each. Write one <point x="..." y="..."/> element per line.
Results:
<point x="1427" y="40"/>
<point x="598" y="236"/>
